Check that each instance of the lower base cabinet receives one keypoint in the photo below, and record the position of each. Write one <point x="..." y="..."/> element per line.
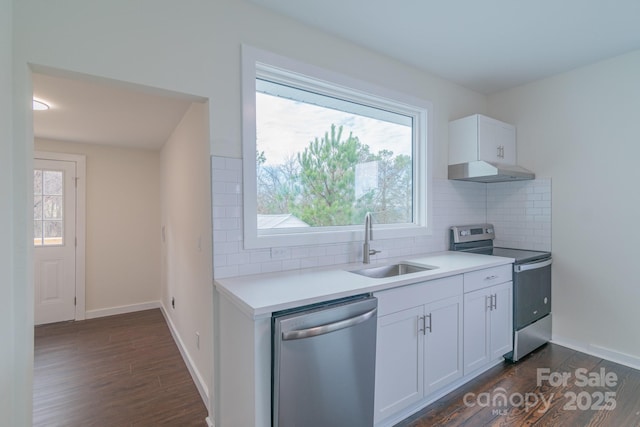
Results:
<point x="487" y="326"/>
<point x="419" y="350"/>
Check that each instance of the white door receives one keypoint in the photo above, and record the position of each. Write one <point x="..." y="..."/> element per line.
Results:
<point x="54" y="217"/>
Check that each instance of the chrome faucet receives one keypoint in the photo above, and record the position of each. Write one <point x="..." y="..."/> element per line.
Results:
<point x="368" y="235"/>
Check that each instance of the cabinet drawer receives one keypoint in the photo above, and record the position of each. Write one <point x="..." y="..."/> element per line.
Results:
<point x="403" y="297"/>
<point x="480" y="279"/>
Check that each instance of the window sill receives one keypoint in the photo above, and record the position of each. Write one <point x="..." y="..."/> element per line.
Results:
<point x="332" y="237"/>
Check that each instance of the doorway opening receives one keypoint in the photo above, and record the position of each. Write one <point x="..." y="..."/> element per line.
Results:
<point x="59" y="216"/>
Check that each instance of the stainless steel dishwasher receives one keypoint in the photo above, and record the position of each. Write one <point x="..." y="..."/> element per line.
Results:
<point x="324" y="364"/>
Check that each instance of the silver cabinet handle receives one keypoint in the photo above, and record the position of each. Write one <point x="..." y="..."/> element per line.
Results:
<point x="491" y="277"/>
<point x="428" y="327"/>
<point x="424" y="325"/>
<point x="329" y="327"/>
<point x="493" y="301"/>
<point x="526" y="267"/>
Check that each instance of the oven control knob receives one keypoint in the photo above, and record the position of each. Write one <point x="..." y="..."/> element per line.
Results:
<point x="464" y="232"/>
<point x="489" y="230"/>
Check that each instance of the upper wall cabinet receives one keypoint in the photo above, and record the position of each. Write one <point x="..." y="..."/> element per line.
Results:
<point x="480" y="137"/>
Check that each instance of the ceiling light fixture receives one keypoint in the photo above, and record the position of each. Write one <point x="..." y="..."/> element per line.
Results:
<point x="39" y="105"/>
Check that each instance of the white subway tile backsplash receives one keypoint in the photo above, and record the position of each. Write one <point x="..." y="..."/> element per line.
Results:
<point x="218" y="163"/>
<point x="229" y="271"/>
<point x="224" y="247"/>
<point x="308" y="262"/>
<point x="520" y="211"/>
<point x="218" y="211"/>
<point x="239" y="258"/>
<point x="220" y="261"/>
<point x="244" y="270"/>
<point x="226" y="223"/>
<point x="224" y="199"/>
<point x="291" y="264"/>
<point x="234" y="235"/>
<point x="270" y="267"/>
<point x="260" y="256"/>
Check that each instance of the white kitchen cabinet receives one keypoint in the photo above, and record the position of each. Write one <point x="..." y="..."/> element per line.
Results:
<point x="487" y="325"/>
<point x="479" y="137"/>
<point x="399" y="362"/>
<point x="411" y="364"/>
<point x="419" y="347"/>
<point x="443" y="343"/>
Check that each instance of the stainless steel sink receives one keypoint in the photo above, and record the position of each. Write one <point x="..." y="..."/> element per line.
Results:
<point x="391" y="270"/>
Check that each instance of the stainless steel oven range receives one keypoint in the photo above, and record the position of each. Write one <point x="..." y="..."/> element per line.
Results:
<point x="531" y="285"/>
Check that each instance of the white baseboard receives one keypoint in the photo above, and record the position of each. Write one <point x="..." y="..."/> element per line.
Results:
<point x="598" y="351"/>
<point x="103" y="312"/>
<point x="201" y="385"/>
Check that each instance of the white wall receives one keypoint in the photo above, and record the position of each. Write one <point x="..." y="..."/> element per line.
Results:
<point x="187" y="248"/>
<point x="13" y="402"/>
<point x="193" y="47"/>
<point x="123" y="224"/>
<point x="6" y="202"/>
<point x="239" y="22"/>
<point x="581" y="128"/>
<point x="16" y="319"/>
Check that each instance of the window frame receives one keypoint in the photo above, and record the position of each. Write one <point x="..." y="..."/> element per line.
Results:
<point x="257" y="63"/>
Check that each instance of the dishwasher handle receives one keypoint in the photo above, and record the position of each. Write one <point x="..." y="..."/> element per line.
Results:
<point x="329" y="327"/>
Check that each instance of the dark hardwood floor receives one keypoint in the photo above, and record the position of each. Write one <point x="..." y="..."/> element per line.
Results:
<point x="122" y="370"/>
<point x="532" y="398"/>
<point x="126" y="370"/>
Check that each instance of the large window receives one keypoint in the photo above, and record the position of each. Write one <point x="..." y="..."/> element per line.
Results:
<point x="321" y="150"/>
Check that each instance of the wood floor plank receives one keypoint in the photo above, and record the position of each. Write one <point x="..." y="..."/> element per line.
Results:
<point x="122" y="370"/>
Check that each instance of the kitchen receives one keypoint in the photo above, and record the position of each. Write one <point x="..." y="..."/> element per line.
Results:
<point x="577" y="128"/>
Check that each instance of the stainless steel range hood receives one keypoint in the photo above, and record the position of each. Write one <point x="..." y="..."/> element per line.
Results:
<point x="481" y="171"/>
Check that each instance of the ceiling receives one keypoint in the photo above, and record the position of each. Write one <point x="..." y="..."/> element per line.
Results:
<point x="98" y="111"/>
<point x="484" y="45"/>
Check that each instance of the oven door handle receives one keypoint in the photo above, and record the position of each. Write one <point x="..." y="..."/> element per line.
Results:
<point x="526" y="267"/>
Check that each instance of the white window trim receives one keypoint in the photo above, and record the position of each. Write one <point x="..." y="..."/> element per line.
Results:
<point x="254" y="59"/>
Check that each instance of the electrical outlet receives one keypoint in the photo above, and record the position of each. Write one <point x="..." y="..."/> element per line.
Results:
<point x="280" y="253"/>
<point x="173" y="302"/>
<point x="198" y="340"/>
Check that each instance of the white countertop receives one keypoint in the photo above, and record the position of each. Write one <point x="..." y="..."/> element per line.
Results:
<point x="261" y="294"/>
